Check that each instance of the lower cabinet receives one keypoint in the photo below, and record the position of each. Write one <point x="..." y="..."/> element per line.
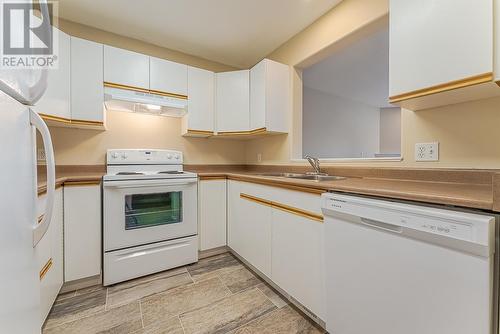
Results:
<point x="49" y="253"/>
<point x="297" y="259"/>
<point x="82" y="231"/>
<point x="280" y="232"/>
<point x="212" y="213"/>
<point x="249" y="227"/>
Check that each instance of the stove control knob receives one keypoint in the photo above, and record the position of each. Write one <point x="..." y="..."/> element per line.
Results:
<point x="177" y="157"/>
<point x="124" y="156"/>
<point x="114" y="155"/>
<point x="169" y="156"/>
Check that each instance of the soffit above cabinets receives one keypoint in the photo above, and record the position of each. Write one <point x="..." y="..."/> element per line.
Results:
<point x="237" y="33"/>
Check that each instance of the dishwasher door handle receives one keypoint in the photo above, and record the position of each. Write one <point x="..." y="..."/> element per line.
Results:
<point x="381" y="226"/>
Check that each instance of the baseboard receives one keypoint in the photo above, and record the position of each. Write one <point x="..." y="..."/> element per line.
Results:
<point x="304" y="310"/>
<point x="81" y="283"/>
<point x="212" y="252"/>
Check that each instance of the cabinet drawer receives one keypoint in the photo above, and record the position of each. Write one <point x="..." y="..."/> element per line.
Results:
<point x="144" y="260"/>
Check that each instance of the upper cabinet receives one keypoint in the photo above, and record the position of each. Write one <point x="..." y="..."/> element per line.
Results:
<point x="55" y="102"/>
<point x="168" y="77"/>
<point x="199" y="121"/>
<point x="232" y="100"/>
<point x="87" y="91"/>
<point x="442" y="52"/>
<point x="126" y="68"/>
<point x="269" y="96"/>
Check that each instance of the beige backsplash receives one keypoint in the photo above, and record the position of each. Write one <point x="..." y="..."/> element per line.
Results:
<point x="128" y="130"/>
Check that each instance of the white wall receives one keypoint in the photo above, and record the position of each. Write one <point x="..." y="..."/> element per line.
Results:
<point x="336" y="127"/>
<point x="390" y="130"/>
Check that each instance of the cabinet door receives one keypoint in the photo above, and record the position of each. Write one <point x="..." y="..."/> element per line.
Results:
<point x="50" y="256"/>
<point x="297" y="259"/>
<point x="168" y="76"/>
<point x="437" y="42"/>
<point x="87" y="93"/>
<point x="126" y="67"/>
<point x="249" y="228"/>
<point x="201" y="101"/>
<point x="212" y="213"/>
<point x="233" y="101"/>
<point x="56" y="99"/>
<point x="82" y="232"/>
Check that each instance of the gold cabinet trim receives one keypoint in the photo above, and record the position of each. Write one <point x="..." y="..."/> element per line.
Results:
<point x="200" y="132"/>
<point x="470" y="81"/>
<point x="242" y="133"/>
<point x="70" y="121"/>
<point x="284" y="207"/>
<point x="144" y="90"/>
<point x="45" y="269"/>
<point x="210" y="178"/>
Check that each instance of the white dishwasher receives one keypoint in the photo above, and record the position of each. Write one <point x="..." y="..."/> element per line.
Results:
<point x="397" y="268"/>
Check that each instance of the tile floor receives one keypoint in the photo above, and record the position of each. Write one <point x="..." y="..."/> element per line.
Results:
<point x="215" y="295"/>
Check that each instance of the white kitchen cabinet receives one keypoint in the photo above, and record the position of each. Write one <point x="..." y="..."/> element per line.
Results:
<point x="212" y="213"/>
<point x="82" y="231"/>
<point x="441" y="52"/>
<point x="232" y="101"/>
<point x="87" y="92"/>
<point x="297" y="258"/>
<point x="167" y="76"/>
<point x="199" y="120"/>
<point x="270" y="96"/>
<point x="125" y="67"/>
<point x="249" y="227"/>
<point x="49" y="253"/>
<point x="55" y="102"/>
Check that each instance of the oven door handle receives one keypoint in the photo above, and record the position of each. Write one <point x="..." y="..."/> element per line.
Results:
<point x="148" y="183"/>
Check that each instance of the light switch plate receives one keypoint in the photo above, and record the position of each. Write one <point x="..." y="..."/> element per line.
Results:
<point x="40" y="154"/>
<point x="427" y="151"/>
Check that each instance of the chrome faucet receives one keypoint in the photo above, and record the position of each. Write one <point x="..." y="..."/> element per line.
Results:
<point x="315" y="164"/>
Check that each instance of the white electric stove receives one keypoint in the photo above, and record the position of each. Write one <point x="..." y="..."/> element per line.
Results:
<point x="149" y="214"/>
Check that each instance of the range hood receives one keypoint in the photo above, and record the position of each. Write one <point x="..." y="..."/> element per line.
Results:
<point x="144" y="101"/>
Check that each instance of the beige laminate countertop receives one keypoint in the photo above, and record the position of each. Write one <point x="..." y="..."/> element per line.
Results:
<point x="478" y="189"/>
<point x="478" y="196"/>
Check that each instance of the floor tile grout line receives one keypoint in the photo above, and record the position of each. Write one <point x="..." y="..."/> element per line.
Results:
<point x="140" y="310"/>
<point x="180" y="321"/>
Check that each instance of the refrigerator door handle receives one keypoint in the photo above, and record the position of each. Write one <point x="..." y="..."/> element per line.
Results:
<point x="40" y="228"/>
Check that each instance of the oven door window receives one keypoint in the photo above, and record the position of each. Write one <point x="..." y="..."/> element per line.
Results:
<point x="146" y="210"/>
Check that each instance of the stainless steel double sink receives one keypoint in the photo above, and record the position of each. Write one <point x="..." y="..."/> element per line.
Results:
<point x="312" y="177"/>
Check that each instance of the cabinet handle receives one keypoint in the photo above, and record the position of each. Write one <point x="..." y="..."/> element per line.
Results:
<point x="45" y="269"/>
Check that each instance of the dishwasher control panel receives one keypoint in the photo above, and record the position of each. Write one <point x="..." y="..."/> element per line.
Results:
<point x="450" y="229"/>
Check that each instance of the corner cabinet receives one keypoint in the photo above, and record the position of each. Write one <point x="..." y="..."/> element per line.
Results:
<point x="270" y="96"/>
<point x="232" y="101"/>
<point x="199" y="121"/>
<point x="280" y="233"/>
<point x="442" y="52"/>
<point x="49" y="252"/>
<point x="249" y="226"/>
<point x="87" y="92"/>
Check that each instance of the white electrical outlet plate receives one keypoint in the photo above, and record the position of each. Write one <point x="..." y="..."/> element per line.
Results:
<point x="427" y="151"/>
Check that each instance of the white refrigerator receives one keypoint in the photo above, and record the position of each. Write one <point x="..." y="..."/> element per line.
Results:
<point x="20" y="230"/>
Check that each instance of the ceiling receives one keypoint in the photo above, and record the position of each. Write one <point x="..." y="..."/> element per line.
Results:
<point x="233" y="32"/>
<point x="359" y="72"/>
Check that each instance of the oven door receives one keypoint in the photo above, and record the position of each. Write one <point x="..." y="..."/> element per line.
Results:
<point x="138" y="212"/>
